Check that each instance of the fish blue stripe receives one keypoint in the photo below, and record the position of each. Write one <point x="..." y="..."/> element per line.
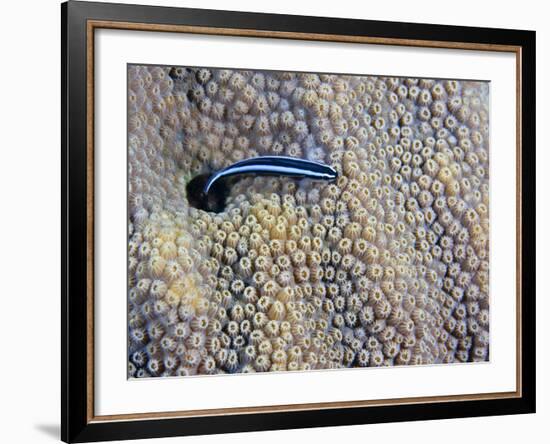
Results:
<point x="275" y="166"/>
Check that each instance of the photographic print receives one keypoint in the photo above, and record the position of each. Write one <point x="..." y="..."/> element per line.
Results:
<point x="274" y="221"/>
<point x="291" y="221"/>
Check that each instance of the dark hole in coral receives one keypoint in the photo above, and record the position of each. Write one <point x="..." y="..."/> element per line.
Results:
<point x="214" y="200"/>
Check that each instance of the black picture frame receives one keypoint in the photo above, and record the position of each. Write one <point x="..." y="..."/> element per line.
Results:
<point x="76" y="423"/>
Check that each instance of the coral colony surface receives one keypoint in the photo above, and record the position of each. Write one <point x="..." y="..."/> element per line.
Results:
<point x="388" y="265"/>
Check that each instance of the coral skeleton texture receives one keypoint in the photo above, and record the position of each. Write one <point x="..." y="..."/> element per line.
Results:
<point x="389" y="265"/>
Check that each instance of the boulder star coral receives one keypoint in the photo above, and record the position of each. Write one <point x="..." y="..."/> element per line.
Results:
<point x="388" y="265"/>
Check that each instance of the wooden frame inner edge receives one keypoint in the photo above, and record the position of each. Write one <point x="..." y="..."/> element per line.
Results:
<point x="91" y="25"/>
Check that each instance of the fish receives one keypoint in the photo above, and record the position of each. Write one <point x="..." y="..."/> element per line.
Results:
<point x="209" y="191"/>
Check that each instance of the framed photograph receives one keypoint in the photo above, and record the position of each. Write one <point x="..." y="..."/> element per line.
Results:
<point x="276" y="221"/>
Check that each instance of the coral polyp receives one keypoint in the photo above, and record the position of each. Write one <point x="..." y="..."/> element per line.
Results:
<point x="387" y="265"/>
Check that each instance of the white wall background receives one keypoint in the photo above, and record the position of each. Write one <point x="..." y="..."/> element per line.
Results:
<point x="30" y="221"/>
